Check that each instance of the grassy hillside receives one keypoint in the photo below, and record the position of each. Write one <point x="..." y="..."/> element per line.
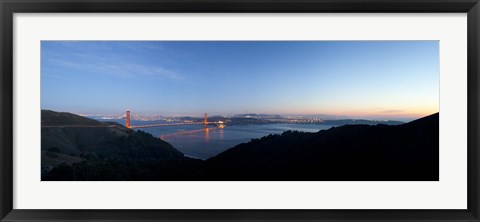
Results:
<point x="112" y="142"/>
<point x="74" y="143"/>
<point x="52" y="118"/>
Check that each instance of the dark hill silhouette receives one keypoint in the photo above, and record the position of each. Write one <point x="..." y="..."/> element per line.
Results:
<point x="94" y="150"/>
<point x="113" y="142"/>
<point x="52" y="118"/>
<point x="351" y="152"/>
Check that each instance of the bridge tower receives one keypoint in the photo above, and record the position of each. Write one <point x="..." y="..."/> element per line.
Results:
<point x="205" y="120"/>
<point x="127" y="119"/>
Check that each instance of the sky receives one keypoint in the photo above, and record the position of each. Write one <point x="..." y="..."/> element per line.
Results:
<point x="397" y="80"/>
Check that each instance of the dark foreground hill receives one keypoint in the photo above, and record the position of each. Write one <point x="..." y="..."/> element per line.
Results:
<point x="79" y="148"/>
<point x="92" y="150"/>
<point x="352" y="152"/>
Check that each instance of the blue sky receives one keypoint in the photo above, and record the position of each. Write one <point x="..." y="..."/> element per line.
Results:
<point x="361" y="79"/>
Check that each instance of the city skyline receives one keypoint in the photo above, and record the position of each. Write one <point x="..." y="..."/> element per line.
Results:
<point x="396" y="80"/>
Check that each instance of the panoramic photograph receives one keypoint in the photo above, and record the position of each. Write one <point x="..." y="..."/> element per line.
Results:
<point x="239" y="110"/>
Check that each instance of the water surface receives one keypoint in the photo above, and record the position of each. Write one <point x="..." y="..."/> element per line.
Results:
<point x="195" y="141"/>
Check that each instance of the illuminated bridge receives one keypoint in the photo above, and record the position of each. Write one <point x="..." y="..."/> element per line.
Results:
<point x="205" y="123"/>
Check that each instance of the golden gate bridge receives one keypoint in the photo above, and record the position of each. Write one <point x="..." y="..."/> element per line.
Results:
<point x="205" y="123"/>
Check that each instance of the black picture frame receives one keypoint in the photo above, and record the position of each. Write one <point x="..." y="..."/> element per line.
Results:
<point x="9" y="7"/>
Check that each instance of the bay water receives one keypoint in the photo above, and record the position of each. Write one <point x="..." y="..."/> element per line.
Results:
<point x="196" y="142"/>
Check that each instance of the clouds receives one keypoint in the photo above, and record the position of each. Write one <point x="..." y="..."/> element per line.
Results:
<point x="100" y="59"/>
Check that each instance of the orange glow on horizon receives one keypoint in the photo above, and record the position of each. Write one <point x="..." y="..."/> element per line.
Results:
<point x="385" y="112"/>
<point x="368" y="112"/>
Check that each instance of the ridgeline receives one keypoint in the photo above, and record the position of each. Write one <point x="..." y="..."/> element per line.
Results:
<point x="91" y="150"/>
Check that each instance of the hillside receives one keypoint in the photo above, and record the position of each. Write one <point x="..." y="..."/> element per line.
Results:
<point x="52" y="118"/>
<point x="70" y="141"/>
<point x="97" y="138"/>
<point x="79" y="148"/>
<point x="352" y="152"/>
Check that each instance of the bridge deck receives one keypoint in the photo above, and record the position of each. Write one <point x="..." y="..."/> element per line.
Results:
<point x="80" y="126"/>
<point x="171" y="124"/>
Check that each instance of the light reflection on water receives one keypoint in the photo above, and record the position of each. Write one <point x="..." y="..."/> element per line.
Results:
<point x="195" y="141"/>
